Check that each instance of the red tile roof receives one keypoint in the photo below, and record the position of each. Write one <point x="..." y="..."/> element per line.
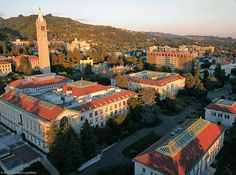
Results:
<point x="224" y="62"/>
<point x="4" y="62"/>
<point x="76" y="91"/>
<point x="171" y="54"/>
<point x="30" y="57"/>
<point x="162" y="82"/>
<point x="185" y="159"/>
<point x="33" y="105"/>
<point x="103" y="101"/>
<point x="22" y="84"/>
<point x="224" y="108"/>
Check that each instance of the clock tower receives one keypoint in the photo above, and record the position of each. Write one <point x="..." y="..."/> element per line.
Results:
<point x="42" y="39"/>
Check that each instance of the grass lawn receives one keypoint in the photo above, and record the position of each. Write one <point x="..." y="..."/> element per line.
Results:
<point x="38" y="168"/>
<point x="140" y="145"/>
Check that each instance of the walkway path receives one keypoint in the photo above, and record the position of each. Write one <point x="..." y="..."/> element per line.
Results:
<point x="113" y="156"/>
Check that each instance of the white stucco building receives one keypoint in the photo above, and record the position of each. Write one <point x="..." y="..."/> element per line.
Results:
<point x="222" y="112"/>
<point x="189" y="149"/>
<point x="163" y="82"/>
<point x="225" y="65"/>
<point x="32" y="115"/>
<point x="5" y="68"/>
<point x="38" y="84"/>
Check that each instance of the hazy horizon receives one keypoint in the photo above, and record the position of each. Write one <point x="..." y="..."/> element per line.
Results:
<point x="180" y="17"/>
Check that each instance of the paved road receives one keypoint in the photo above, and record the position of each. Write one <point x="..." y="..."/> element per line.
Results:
<point x="113" y="156"/>
<point x="225" y="91"/>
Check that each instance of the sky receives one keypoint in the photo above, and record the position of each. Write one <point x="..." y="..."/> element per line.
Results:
<point x="183" y="17"/>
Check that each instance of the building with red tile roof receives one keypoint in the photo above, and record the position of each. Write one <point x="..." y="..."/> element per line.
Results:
<point x="32" y="116"/>
<point x="190" y="149"/>
<point x="38" y="84"/>
<point x="40" y="108"/>
<point x="83" y="88"/>
<point x="222" y="112"/>
<point x="225" y="65"/>
<point x="5" y="68"/>
<point x="31" y="112"/>
<point x="34" y="61"/>
<point x="116" y="97"/>
<point x="162" y="82"/>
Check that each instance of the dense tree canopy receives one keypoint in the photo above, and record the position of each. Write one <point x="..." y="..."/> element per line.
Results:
<point x="65" y="152"/>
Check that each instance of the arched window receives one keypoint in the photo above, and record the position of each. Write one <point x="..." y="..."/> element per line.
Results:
<point x="64" y="121"/>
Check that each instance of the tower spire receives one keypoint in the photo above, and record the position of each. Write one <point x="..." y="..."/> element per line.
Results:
<point x="40" y="15"/>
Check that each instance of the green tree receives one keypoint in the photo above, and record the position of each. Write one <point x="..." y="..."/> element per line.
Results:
<point x="88" y="70"/>
<point x="134" y="60"/>
<point x="65" y="153"/>
<point x="51" y="135"/>
<point x="122" y="81"/>
<point x="62" y="59"/>
<point x="76" y="56"/>
<point x="220" y="75"/>
<point x="149" y="114"/>
<point x="147" y="96"/>
<point x="121" y="62"/>
<point x="88" y="140"/>
<point x="197" y="71"/>
<point x="24" y="66"/>
<point x="140" y="64"/>
<point x="205" y="74"/>
<point x="189" y="81"/>
<point x="4" y="48"/>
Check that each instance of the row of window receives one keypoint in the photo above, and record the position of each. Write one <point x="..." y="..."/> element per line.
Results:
<point x="5" y="69"/>
<point x="226" y="116"/>
<point x="5" y="65"/>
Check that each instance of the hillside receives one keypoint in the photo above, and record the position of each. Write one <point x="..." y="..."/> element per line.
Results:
<point x="67" y="29"/>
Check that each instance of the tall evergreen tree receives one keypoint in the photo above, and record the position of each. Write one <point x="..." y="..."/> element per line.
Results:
<point x="65" y="152"/>
<point x="24" y="66"/>
<point x="121" y="81"/>
<point x="88" y="141"/>
<point x="140" y="64"/>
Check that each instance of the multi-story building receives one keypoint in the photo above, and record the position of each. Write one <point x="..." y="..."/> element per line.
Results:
<point x="225" y="65"/>
<point x="33" y="60"/>
<point x="81" y="46"/>
<point x="38" y="84"/>
<point x="175" y="60"/>
<point x="162" y="82"/>
<point x="32" y="115"/>
<point x="189" y="149"/>
<point x="5" y="68"/>
<point x="222" y="112"/>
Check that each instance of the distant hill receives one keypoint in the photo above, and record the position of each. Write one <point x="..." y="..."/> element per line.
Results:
<point x="66" y="29"/>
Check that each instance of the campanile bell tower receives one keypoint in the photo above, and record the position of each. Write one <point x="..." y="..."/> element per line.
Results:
<point x="42" y="39"/>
